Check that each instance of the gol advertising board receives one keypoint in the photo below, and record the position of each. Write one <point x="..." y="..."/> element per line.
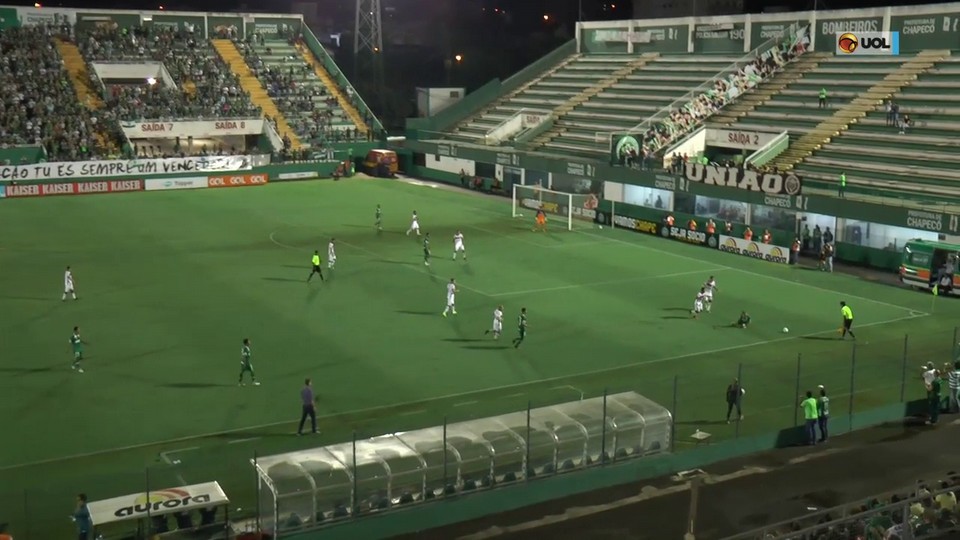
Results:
<point x="754" y="250"/>
<point x="828" y="30"/>
<point x="933" y="31"/>
<point x="718" y="38"/>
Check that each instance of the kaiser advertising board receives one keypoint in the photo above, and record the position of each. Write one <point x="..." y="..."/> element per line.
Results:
<point x="70" y="170"/>
<point x="754" y="250"/>
<point x="17" y="191"/>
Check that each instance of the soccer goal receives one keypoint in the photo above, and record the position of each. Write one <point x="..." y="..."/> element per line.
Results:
<point x="572" y="207"/>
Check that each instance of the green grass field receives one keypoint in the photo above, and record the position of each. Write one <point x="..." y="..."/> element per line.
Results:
<point x="170" y="282"/>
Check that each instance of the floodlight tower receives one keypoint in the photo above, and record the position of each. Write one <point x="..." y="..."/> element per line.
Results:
<point x="368" y="47"/>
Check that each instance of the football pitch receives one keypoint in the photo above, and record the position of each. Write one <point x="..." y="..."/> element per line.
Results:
<point x="171" y="282"/>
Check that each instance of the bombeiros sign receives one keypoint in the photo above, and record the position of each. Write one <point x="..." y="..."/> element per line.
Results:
<point x="732" y="177"/>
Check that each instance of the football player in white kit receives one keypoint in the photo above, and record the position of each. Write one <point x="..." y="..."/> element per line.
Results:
<point x="698" y="303"/>
<point x="68" y="285"/>
<point x="414" y="224"/>
<point x="497" y="323"/>
<point x="331" y="254"/>
<point x="451" y="298"/>
<point x="709" y="287"/>
<point x="458" y="246"/>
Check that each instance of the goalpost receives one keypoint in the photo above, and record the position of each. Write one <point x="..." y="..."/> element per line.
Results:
<point x="572" y="207"/>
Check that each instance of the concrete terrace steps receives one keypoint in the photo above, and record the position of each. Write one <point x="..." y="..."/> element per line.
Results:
<point x="76" y="67"/>
<point x="351" y="111"/>
<point x="766" y="90"/>
<point x="856" y="109"/>
<point x="251" y="85"/>
<point x="505" y="98"/>
<point x="590" y="92"/>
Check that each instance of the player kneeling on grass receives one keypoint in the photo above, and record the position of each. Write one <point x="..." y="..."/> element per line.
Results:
<point x="698" y="303"/>
<point x="743" y="321"/>
<point x="246" y="363"/>
<point x="497" y="328"/>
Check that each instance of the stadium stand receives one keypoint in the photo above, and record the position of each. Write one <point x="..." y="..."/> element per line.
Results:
<point x="206" y="86"/>
<point x="591" y="97"/>
<point x="853" y="133"/>
<point x="39" y="104"/>
<point x="927" y="510"/>
<point x="661" y="83"/>
<point x="318" y="111"/>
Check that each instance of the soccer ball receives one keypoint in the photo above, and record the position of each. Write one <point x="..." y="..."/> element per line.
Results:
<point x="785" y="330"/>
<point x="601" y="227"/>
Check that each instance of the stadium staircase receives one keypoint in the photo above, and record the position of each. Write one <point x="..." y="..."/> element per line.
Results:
<point x="492" y="108"/>
<point x="251" y="85"/>
<point x="856" y="109"/>
<point x="76" y="67"/>
<point x="768" y="89"/>
<point x="590" y="92"/>
<point x="334" y="89"/>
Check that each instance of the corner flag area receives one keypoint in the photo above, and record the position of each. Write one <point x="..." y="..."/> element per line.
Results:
<point x="170" y="283"/>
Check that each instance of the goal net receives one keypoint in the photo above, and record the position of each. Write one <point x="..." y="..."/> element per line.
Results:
<point x="573" y="208"/>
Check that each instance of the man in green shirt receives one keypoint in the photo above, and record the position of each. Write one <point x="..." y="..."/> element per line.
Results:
<point x="77" y="344"/>
<point x="521" y="328"/>
<point x="810" y="417"/>
<point x="843" y="185"/>
<point x="246" y="363"/>
<point x="933" y="397"/>
<point x="823" y="98"/>
<point x="744" y="320"/>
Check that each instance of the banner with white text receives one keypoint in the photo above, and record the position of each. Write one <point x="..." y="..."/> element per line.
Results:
<point x="198" y="129"/>
<point x="68" y="170"/>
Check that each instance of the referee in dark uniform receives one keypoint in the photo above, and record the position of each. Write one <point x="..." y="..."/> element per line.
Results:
<point x="847" y="315"/>
<point x="307" y="399"/>
<point x="315" y="262"/>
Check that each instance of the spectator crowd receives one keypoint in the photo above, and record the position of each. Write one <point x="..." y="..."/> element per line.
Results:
<point x="927" y="510"/>
<point x="38" y="103"/>
<point x="205" y="85"/>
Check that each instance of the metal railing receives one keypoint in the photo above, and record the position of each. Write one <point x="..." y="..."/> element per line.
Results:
<point x="665" y="112"/>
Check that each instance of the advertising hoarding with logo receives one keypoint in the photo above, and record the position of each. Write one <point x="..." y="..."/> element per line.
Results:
<point x="719" y="38"/>
<point x="163" y="184"/>
<point x="157" y="503"/>
<point x="733" y="177"/>
<point x="827" y="30"/>
<point x="868" y="44"/>
<point x="754" y="250"/>
<point x="932" y="31"/>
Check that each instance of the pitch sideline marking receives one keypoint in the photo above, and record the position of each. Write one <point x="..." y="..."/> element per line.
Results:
<point x="435" y="399"/>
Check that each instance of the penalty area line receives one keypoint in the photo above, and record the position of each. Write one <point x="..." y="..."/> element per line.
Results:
<point x="429" y="401"/>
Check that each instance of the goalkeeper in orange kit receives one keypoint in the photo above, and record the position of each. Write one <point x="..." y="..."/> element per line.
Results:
<point x="541" y="223"/>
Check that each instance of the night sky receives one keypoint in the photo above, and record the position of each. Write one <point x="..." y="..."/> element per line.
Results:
<point x="495" y="38"/>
